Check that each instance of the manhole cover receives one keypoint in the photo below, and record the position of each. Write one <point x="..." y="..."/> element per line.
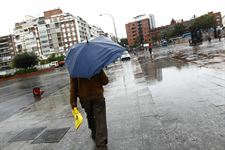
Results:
<point x="51" y="136"/>
<point x="27" y="134"/>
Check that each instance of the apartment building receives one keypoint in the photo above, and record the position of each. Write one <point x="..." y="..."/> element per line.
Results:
<point x="55" y="32"/>
<point x="82" y="29"/>
<point x="62" y="33"/>
<point x="138" y="31"/>
<point x="94" y="31"/>
<point x="218" y="18"/>
<point x="152" y="21"/>
<point x="7" y="51"/>
<point x="26" y="36"/>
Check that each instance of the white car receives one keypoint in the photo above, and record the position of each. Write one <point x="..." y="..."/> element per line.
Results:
<point x="125" y="56"/>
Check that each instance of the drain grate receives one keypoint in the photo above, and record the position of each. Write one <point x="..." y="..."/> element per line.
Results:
<point x="27" y="134"/>
<point x="51" y="136"/>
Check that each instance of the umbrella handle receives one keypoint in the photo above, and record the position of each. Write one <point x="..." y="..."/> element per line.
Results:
<point x="87" y="39"/>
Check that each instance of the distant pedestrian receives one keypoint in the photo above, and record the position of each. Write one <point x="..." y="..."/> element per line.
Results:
<point x="150" y="48"/>
<point x="90" y="94"/>
<point x="208" y="37"/>
<point x="219" y="35"/>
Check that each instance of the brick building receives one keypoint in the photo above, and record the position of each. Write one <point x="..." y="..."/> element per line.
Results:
<point x="138" y="32"/>
<point x="218" y="18"/>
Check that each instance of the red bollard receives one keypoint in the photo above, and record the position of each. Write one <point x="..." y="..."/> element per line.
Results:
<point x="37" y="91"/>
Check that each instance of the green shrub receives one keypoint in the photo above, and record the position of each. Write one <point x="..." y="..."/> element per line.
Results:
<point x="23" y="71"/>
<point x="25" y="60"/>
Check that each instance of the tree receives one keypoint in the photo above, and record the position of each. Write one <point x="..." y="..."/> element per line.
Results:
<point x="123" y="42"/>
<point x="137" y="42"/>
<point x="204" y="22"/>
<point x="155" y="38"/>
<point x="54" y="58"/>
<point x="25" y="60"/>
<point x="179" y="29"/>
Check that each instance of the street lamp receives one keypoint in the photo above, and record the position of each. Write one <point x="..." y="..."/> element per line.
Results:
<point x="113" y="24"/>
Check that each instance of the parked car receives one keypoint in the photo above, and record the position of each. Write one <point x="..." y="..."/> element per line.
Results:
<point x="125" y="56"/>
<point x="54" y="64"/>
<point x="61" y="63"/>
<point x="164" y="43"/>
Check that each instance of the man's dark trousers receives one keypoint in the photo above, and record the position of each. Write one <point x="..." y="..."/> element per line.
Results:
<point x="96" y="117"/>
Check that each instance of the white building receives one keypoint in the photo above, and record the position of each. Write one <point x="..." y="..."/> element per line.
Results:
<point x="150" y="17"/>
<point x="152" y="21"/>
<point x="93" y="31"/>
<point x="27" y="37"/>
<point x="54" y="33"/>
<point x="82" y="29"/>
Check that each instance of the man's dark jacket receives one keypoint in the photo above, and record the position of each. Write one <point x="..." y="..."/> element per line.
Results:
<point x="87" y="89"/>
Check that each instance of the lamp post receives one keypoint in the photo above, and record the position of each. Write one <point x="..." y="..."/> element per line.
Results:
<point x="113" y="24"/>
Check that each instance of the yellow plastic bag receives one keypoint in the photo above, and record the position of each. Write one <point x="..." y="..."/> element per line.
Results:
<point x="78" y="119"/>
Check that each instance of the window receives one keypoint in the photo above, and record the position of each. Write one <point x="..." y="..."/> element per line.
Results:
<point x="67" y="24"/>
<point x="57" y="25"/>
<point x="63" y="25"/>
<point x="68" y="29"/>
<point x="70" y="39"/>
<point x="65" y="40"/>
<point x="64" y="30"/>
<point x="69" y="34"/>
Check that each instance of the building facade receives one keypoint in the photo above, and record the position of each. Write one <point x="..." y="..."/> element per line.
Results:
<point x="218" y="18"/>
<point x="54" y="33"/>
<point x="82" y="29"/>
<point x="7" y="51"/>
<point x="61" y="30"/>
<point x="27" y="37"/>
<point x="94" y="31"/>
<point x="152" y="21"/>
<point x="138" y="32"/>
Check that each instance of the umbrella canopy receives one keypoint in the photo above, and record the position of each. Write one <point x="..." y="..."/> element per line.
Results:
<point x="86" y="59"/>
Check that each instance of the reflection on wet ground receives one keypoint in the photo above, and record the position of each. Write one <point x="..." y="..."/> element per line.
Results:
<point x="181" y="105"/>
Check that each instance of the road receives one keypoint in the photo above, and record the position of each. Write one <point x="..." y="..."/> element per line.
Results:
<point x="17" y="94"/>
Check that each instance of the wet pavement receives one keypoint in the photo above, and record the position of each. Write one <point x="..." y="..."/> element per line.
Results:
<point x="153" y="103"/>
<point x="17" y="94"/>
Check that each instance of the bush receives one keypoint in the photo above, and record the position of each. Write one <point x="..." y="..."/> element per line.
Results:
<point x="25" y="60"/>
<point x="23" y="71"/>
<point x="54" y="58"/>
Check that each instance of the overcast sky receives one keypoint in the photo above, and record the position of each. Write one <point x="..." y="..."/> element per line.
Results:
<point x="123" y="11"/>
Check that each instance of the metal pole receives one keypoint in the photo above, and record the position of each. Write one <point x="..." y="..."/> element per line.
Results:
<point x="113" y="24"/>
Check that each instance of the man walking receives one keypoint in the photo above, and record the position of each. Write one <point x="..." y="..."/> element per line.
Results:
<point x="90" y="93"/>
<point x="150" y="48"/>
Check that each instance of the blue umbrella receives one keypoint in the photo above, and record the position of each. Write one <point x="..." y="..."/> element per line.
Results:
<point x="86" y="59"/>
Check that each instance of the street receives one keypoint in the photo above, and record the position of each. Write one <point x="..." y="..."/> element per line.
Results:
<point x="154" y="102"/>
<point x="17" y="94"/>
